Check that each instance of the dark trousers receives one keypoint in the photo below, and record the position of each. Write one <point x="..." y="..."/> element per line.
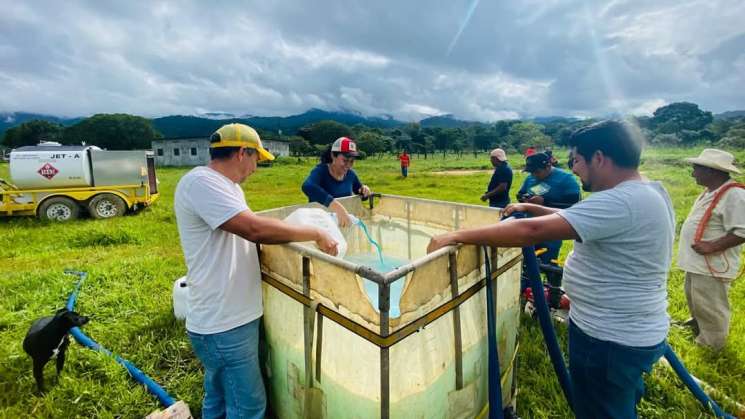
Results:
<point x="404" y="171"/>
<point x="553" y="248"/>
<point x="606" y="376"/>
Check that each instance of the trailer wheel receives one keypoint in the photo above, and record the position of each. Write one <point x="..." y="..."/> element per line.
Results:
<point x="106" y="205"/>
<point x="59" y="208"/>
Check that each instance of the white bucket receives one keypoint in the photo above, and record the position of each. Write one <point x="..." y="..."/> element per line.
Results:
<point x="316" y="217"/>
<point x="180" y="298"/>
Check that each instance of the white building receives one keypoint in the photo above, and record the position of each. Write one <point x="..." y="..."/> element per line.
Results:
<point x="195" y="151"/>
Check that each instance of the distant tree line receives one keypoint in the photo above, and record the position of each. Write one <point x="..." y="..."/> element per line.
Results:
<point x="677" y="124"/>
<point x="109" y="131"/>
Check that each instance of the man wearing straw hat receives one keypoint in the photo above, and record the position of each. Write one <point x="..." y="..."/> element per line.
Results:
<point x="710" y="245"/>
<point x="218" y="233"/>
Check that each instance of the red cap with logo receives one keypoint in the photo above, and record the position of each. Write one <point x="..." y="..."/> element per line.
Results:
<point x="345" y="146"/>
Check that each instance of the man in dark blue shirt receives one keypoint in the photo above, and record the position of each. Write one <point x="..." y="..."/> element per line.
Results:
<point x="498" y="191"/>
<point x="551" y="187"/>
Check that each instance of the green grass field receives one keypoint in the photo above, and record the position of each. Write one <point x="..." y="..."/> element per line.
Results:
<point x="133" y="261"/>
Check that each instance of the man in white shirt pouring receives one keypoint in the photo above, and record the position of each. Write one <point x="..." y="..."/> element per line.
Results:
<point x="218" y="235"/>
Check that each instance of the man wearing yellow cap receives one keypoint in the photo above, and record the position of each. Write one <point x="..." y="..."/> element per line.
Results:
<point x="710" y="245"/>
<point x="218" y="235"/>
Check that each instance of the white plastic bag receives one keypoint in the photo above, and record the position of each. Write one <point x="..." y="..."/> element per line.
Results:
<point x="180" y="298"/>
<point x="316" y="217"/>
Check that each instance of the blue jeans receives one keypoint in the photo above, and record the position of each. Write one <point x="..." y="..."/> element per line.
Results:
<point x="233" y="386"/>
<point x="606" y="376"/>
<point x="404" y="171"/>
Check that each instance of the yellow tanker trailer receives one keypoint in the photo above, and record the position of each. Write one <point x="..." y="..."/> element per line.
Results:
<point x="56" y="182"/>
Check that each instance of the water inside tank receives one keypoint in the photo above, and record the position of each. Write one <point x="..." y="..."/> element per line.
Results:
<point x="389" y="263"/>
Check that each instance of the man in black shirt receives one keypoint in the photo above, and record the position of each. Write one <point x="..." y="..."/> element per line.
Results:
<point x="498" y="191"/>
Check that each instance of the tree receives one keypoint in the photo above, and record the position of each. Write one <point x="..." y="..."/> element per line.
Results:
<point x="526" y="134"/>
<point x="324" y="132"/>
<point x="113" y="132"/>
<point x="371" y="143"/>
<point x="675" y="117"/>
<point x="449" y="139"/>
<point x="300" y="147"/>
<point x="32" y="133"/>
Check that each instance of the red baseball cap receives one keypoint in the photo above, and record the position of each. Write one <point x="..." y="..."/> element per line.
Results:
<point x="345" y="146"/>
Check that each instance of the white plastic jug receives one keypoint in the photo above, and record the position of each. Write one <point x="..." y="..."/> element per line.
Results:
<point x="316" y="217"/>
<point x="180" y="298"/>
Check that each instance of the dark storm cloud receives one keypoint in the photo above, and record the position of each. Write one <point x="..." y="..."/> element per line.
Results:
<point x="277" y="58"/>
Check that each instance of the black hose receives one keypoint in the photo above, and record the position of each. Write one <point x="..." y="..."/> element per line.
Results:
<point x="495" y="383"/>
<point x="530" y="264"/>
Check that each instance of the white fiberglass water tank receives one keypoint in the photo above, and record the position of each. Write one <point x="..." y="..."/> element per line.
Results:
<point x="51" y="165"/>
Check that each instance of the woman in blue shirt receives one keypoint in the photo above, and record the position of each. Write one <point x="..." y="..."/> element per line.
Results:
<point x="334" y="178"/>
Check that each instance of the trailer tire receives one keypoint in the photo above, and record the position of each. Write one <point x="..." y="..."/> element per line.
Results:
<point x="106" y="205"/>
<point x="59" y="208"/>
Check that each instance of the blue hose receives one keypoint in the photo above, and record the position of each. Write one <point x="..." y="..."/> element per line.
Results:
<point x="165" y="399"/>
<point x="495" y="383"/>
<point x="684" y="375"/>
<point x="544" y="317"/>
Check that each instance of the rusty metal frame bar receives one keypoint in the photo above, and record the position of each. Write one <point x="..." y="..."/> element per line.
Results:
<point x="397" y="336"/>
<point x="384" y="305"/>
<point x="456" y="322"/>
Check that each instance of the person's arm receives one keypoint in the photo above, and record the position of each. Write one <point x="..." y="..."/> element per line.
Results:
<point x="499" y="189"/>
<point x="357" y="186"/>
<point x="267" y="230"/>
<point x="342" y="215"/>
<point x="733" y="219"/>
<point x="510" y="233"/>
<point x="719" y="245"/>
<point x="313" y="189"/>
<point x="532" y="209"/>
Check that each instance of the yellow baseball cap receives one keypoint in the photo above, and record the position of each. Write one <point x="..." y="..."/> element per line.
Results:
<point x="239" y="135"/>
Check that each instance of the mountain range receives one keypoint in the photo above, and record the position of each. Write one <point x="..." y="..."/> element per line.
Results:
<point x="180" y="126"/>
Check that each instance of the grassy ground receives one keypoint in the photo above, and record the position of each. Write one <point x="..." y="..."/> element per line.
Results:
<point x="133" y="261"/>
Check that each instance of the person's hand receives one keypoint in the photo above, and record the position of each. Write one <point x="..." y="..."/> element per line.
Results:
<point x="440" y="241"/>
<point x="512" y="208"/>
<point x="365" y="191"/>
<point x="484" y="197"/>
<point x="342" y="216"/>
<point x="538" y="200"/>
<point x="704" y="248"/>
<point x="326" y="243"/>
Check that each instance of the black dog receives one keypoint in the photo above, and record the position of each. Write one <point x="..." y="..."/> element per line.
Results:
<point x="48" y="337"/>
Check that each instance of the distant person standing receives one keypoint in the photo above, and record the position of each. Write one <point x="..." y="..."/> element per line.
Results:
<point x="405" y="161"/>
<point x="498" y="191"/>
<point x="334" y="178"/>
<point x="711" y="244"/>
<point x="530" y="151"/>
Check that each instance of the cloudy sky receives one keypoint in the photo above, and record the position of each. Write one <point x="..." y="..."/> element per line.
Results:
<point x="477" y="59"/>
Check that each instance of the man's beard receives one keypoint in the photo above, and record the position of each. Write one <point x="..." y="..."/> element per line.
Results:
<point x="586" y="186"/>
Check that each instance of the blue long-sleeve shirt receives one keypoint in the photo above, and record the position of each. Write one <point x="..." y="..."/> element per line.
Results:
<point x="321" y="187"/>
<point x="559" y="189"/>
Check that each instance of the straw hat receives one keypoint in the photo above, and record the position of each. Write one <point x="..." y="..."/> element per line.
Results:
<point x="715" y="159"/>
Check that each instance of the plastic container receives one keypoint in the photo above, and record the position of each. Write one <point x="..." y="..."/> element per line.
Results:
<point x="180" y="298"/>
<point x="316" y="217"/>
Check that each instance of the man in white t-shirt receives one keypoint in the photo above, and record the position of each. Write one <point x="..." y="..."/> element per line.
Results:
<point x="218" y="235"/>
<point x="616" y="276"/>
<point x="710" y="246"/>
